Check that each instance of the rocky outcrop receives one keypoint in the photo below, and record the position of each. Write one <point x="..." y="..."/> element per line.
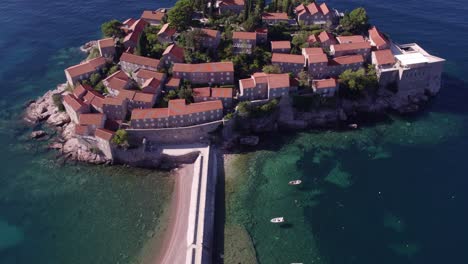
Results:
<point x="87" y="47"/>
<point x="78" y="150"/>
<point x="44" y="107"/>
<point x="58" y="119"/>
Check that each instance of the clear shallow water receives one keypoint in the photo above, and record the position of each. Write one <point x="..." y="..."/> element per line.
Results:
<point x="51" y="213"/>
<point x="394" y="192"/>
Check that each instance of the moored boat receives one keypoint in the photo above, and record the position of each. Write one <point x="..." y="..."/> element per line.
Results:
<point x="277" y="220"/>
<point x="296" y="182"/>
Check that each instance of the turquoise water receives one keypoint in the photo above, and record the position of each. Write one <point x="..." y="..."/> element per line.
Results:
<point x="51" y="212"/>
<point x="394" y="192"/>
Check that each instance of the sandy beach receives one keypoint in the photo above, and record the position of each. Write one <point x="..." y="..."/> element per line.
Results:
<point x="175" y="228"/>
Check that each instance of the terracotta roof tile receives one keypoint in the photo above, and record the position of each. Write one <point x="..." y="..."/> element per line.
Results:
<point x="144" y="97"/>
<point x="106" y="43"/>
<point x="378" y="38"/>
<point x="275" y="16"/>
<point x="287" y="58"/>
<point x="350" y="39"/>
<point x="204" y="67"/>
<point x="80" y="90"/>
<point x="147" y="74"/>
<point x="317" y="58"/>
<point x="81" y="130"/>
<point x="325" y="36"/>
<point x="202" y="92"/>
<point x="91" y="119"/>
<point x="310" y="51"/>
<point x="167" y="30"/>
<point x="175" y="51"/>
<point x="384" y="57"/>
<point x="280" y="45"/>
<point x="73" y="102"/>
<point x="139" y="60"/>
<point x="247" y="83"/>
<point x="221" y="92"/>
<point x="176" y="108"/>
<point x="211" y="32"/>
<point x="153" y="15"/>
<point x="86" y="67"/>
<point x="344" y="60"/>
<point x="324" y="8"/>
<point x="173" y="82"/>
<point x="352" y="46"/>
<point x="244" y="35"/>
<point x="324" y="83"/>
<point x="278" y="81"/>
<point x="104" y="134"/>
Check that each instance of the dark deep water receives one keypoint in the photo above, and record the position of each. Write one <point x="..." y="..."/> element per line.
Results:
<point x="394" y="192"/>
<point x="389" y="193"/>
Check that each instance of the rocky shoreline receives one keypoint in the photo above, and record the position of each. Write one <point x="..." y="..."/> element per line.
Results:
<point x="44" y="112"/>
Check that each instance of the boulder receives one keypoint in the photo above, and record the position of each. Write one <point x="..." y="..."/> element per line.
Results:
<point x="38" y="134"/>
<point x="58" y="119"/>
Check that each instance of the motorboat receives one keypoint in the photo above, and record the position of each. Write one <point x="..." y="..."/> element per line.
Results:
<point x="296" y="182"/>
<point x="353" y="126"/>
<point x="277" y="220"/>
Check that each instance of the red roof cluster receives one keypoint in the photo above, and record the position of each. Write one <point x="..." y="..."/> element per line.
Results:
<point x="244" y="35"/>
<point x="345" y="60"/>
<point x="352" y="46"/>
<point x="204" y="67"/>
<point x="73" y="102"/>
<point x="383" y="57"/>
<point x="378" y="38"/>
<point x="86" y="67"/>
<point x="92" y="119"/>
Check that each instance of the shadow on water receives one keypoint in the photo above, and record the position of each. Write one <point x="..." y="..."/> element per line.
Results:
<point x="286" y="225"/>
<point x="220" y="213"/>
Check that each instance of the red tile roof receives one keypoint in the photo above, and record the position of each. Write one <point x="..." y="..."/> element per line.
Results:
<point x="176" y="108"/>
<point x="173" y="82"/>
<point x="352" y="46"/>
<point x="80" y="90"/>
<point x="144" y="97"/>
<point x="378" y="38"/>
<point x="175" y="51"/>
<point x="104" y="134"/>
<point x="278" y="81"/>
<point x="202" y="92"/>
<point x="287" y="58"/>
<point x="167" y="30"/>
<point x="204" y="67"/>
<point x="244" y="35"/>
<point x="312" y="39"/>
<point x="147" y="74"/>
<point x="155" y="83"/>
<point x="344" y="60"/>
<point x="317" y="58"/>
<point x="350" y="39"/>
<point x="384" y="57"/>
<point x="210" y="32"/>
<point x="86" y="67"/>
<point x="139" y="60"/>
<point x="73" y="102"/>
<point x="275" y="16"/>
<point x="324" y="8"/>
<point x="262" y="30"/>
<point x="153" y="15"/>
<point x="129" y="22"/>
<point x="310" y="51"/>
<point x="94" y="98"/>
<point x="324" y="83"/>
<point x="113" y="101"/>
<point x="106" y="43"/>
<point x="280" y="45"/>
<point x="91" y="119"/>
<point x="221" y="92"/>
<point x="247" y="83"/>
<point x="325" y="36"/>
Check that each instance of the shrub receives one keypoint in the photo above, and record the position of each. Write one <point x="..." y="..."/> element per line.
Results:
<point x="112" y="29"/>
<point x="121" y="138"/>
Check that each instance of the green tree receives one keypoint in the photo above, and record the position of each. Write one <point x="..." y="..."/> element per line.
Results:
<point x="121" y="138"/>
<point x="356" y="22"/>
<point x="303" y="78"/>
<point x="112" y="29"/>
<point x="94" y="79"/>
<point x="172" y="94"/>
<point x="244" y="108"/>
<point x="186" y="93"/>
<point x="356" y="81"/>
<point x="272" y="68"/>
<point x="181" y="14"/>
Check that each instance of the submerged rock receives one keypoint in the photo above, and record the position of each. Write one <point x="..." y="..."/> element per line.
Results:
<point x="38" y="134"/>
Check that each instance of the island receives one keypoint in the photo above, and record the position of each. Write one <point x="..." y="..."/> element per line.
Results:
<point x="221" y="73"/>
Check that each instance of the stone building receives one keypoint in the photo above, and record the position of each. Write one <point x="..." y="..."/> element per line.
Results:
<point x="355" y="48"/>
<point x="261" y="86"/>
<point x="280" y="46"/>
<point x="107" y="48"/>
<point x="178" y="114"/>
<point x="314" y="14"/>
<point x="173" y="54"/>
<point x="288" y="62"/>
<point x="84" y="70"/>
<point x="154" y="18"/>
<point x="275" y="18"/>
<point x="130" y="63"/>
<point x="74" y="107"/>
<point x="325" y="87"/>
<point x="243" y="42"/>
<point x="205" y="73"/>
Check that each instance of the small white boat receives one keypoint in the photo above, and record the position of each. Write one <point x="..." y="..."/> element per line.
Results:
<point x="353" y="126"/>
<point x="277" y="220"/>
<point x="296" y="182"/>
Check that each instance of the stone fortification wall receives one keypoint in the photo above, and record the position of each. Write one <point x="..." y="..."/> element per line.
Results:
<point x="180" y="135"/>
